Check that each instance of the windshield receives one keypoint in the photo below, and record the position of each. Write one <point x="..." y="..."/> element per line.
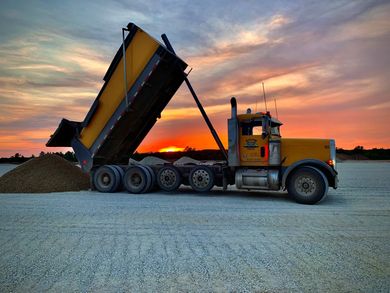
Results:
<point x="254" y="127"/>
<point x="275" y="130"/>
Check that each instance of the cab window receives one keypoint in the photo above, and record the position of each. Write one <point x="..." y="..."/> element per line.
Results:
<point x="251" y="128"/>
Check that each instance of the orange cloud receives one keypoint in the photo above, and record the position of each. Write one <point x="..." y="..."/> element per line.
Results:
<point x="329" y="77"/>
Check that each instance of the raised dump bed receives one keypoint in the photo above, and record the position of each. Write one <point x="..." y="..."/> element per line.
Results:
<point x="117" y="123"/>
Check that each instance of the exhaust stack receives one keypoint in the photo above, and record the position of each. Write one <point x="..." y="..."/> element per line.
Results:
<point x="233" y="102"/>
<point x="233" y="151"/>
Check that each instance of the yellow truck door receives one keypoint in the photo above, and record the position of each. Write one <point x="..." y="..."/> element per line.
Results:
<point x="253" y="150"/>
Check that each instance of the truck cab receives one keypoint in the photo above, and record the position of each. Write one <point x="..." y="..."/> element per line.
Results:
<point x="262" y="159"/>
<point x="259" y="139"/>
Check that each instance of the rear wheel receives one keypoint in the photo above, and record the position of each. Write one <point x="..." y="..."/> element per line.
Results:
<point x="168" y="178"/>
<point x="307" y="185"/>
<point x="152" y="177"/>
<point x="201" y="179"/>
<point x="137" y="179"/>
<point x="121" y="173"/>
<point x="106" y="179"/>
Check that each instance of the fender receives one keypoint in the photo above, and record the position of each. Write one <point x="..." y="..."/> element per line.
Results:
<point x="321" y="166"/>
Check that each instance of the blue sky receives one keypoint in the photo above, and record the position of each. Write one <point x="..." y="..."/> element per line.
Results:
<point x="326" y="63"/>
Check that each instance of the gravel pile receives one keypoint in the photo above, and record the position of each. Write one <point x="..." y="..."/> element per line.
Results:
<point x="185" y="161"/>
<point x="49" y="173"/>
<point x="150" y="161"/>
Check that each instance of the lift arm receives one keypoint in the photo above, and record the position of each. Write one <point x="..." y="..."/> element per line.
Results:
<point x="201" y="109"/>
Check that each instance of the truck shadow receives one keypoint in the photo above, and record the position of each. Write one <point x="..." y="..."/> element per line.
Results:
<point x="253" y="195"/>
<point x="247" y="194"/>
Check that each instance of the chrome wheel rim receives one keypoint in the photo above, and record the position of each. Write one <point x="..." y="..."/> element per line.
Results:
<point x="200" y="178"/>
<point x="168" y="178"/>
<point x="305" y="185"/>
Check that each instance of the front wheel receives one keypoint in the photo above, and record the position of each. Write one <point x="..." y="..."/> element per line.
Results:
<point x="307" y="185"/>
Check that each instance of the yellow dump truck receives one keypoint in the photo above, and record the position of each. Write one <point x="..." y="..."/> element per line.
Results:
<point x="142" y="78"/>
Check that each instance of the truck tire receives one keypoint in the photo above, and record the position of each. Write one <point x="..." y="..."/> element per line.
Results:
<point x="307" y="185"/>
<point x="201" y="179"/>
<point x="137" y="179"/>
<point x="152" y="178"/>
<point x="168" y="178"/>
<point x="121" y="174"/>
<point x="106" y="179"/>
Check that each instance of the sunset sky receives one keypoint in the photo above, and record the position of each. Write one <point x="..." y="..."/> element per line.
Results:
<point x="327" y="63"/>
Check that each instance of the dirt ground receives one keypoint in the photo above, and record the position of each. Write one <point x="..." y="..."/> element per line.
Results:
<point x="221" y="241"/>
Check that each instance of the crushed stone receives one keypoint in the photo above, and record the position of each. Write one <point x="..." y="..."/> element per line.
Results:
<point x="49" y="173"/>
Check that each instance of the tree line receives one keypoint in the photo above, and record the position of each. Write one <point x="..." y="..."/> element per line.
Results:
<point x="19" y="158"/>
<point x="372" y="154"/>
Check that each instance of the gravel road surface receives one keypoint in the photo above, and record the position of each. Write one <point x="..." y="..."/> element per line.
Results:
<point x="221" y="241"/>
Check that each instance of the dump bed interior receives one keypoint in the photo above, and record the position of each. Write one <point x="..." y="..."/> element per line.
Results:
<point x="117" y="122"/>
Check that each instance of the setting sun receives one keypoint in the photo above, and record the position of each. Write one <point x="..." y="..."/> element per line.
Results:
<point x="171" y="149"/>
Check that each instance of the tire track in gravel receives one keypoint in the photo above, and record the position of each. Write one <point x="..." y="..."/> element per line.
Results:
<point x="28" y="274"/>
<point x="43" y="277"/>
<point x="13" y="254"/>
<point x="103" y="263"/>
<point x="275" y="261"/>
<point x="232" y="266"/>
<point x="14" y="230"/>
<point x="353" y="261"/>
<point x="167" y="278"/>
<point x="80" y="269"/>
